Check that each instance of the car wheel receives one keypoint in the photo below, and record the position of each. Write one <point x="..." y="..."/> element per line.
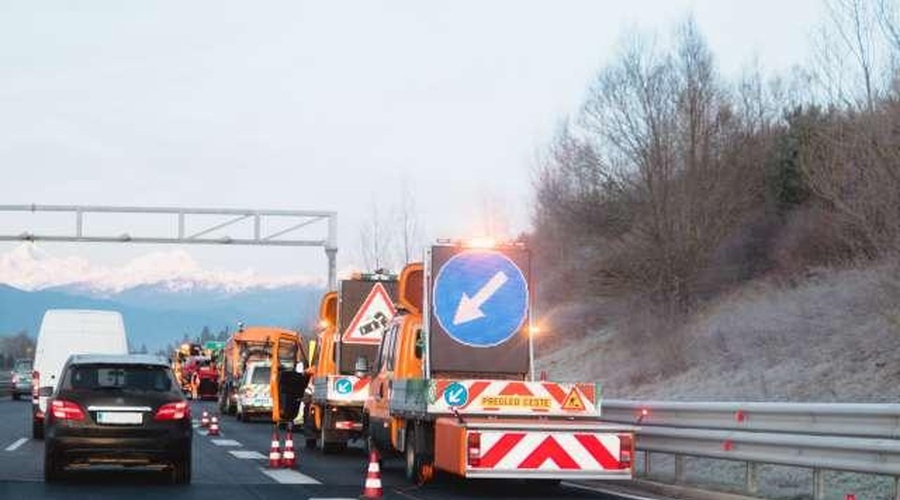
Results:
<point x="52" y="467"/>
<point x="37" y="429"/>
<point x="181" y="471"/>
<point x="16" y="396"/>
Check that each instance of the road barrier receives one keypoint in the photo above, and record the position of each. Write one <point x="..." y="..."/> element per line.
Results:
<point x="862" y="438"/>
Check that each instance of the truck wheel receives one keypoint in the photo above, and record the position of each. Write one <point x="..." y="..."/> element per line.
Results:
<point x="415" y="462"/>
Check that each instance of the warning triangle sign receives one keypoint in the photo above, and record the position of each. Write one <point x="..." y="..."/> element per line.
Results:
<point x="371" y="319"/>
<point x="573" y="401"/>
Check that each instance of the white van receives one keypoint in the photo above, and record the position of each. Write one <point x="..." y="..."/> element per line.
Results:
<point x="65" y="332"/>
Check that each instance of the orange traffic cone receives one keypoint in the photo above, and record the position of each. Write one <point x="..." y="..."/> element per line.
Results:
<point x="288" y="458"/>
<point x="213" y="426"/>
<point x="373" y="489"/>
<point x="275" y="451"/>
<point x="204" y="419"/>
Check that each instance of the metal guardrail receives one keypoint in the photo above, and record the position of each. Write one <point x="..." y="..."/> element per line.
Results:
<point x="861" y="438"/>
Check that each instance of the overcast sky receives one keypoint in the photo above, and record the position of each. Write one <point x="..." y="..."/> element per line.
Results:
<point x="321" y="105"/>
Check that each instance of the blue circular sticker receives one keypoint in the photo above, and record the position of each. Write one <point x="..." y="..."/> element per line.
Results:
<point x="480" y="298"/>
<point x="456" y="394"/>
<point x="343" y="386"/>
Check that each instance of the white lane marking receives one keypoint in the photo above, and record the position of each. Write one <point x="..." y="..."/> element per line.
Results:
<point x="16" y="445"/>
<point x="248" y="455"/>
<point x="287" y="476"/>
<point x="225" y="442"/>
<point x="615" y="492"/>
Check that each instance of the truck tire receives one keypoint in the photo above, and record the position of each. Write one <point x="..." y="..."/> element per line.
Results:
<point x="309" y="428"/>
<point x="415" y="461"/>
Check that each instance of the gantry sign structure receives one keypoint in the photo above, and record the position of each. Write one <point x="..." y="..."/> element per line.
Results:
<point x="178" y="225"/>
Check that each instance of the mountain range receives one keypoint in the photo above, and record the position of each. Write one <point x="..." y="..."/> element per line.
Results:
<point x="162" y="296"/>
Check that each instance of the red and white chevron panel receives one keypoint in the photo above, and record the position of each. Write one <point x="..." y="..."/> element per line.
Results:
<point x="574" y="453"/>
<point x="498" y="397"/>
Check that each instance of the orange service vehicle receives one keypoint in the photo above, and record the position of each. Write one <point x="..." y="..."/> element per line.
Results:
<point x="454" y="385"/>
<point x="352" y="322"/>
<point x="280" y="347"/>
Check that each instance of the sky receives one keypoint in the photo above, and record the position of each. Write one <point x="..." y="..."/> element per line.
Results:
<point x="327" y="105"/>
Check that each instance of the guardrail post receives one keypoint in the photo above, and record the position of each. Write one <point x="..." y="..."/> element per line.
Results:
<point x="679" y="469"/>
<point x="897" y="488"/>
<point x="647" y="464"/>
<point x="818" y="484"/>
<point x="752" y="483"/>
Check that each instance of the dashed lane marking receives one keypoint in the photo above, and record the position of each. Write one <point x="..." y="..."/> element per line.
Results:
<point x="225" y="442"/>
<point x="248" y="455"/>
<point x="287" y="476"/>
<point x="16" y="445"/>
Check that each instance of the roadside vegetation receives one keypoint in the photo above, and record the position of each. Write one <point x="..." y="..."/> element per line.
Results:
<point x="711" y="238"/>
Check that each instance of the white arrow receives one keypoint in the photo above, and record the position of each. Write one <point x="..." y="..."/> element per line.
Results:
<point x="470" y="308"/>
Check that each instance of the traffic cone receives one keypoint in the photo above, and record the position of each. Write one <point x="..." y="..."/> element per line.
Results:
<point x="213" y="426"/>
<point x="373" y="489"/>
<point x="288" y="458"/>
<point x="275" y="451"/>
<point x="204" y="419"/>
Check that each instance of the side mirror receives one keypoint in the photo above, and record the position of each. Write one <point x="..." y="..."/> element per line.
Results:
<point x="362" y="366"/>
<point x="420" y="343"/>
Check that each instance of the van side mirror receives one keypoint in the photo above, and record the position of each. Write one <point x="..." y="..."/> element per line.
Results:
<point x="362" y="366"/>
<point x="420" y="343"/>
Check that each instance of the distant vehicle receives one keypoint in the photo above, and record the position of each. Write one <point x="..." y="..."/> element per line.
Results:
<point x="204" y="378"/>
<point x="65" y="332"/>
<point x="254" y="396"/>
<point x="21" y="378"/>
<point x="118" y="410"/>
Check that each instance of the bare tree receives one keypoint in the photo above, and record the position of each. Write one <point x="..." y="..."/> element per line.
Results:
<point x="408" y="224"/>
<point x="375" y="239"/>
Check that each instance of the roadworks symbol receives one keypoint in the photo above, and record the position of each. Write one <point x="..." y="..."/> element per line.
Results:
<point x="573" y="401"/>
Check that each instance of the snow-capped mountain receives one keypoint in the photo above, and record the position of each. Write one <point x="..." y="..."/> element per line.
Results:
<point x="29" y="267"/>
<point x="162" y="296"/>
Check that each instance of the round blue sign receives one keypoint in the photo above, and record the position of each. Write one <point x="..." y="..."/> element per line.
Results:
<point x="480" y="298"/>
<point x="456" y="394"/>
<point x="343" y="386"/>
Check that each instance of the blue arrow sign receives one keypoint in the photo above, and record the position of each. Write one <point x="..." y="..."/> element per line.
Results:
<point x="456" y="394"/>
<point x="480" y="298"/>
<point x="343" y="386"/>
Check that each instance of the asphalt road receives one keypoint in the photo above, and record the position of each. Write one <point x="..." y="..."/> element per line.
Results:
<point x="234" y="466"/>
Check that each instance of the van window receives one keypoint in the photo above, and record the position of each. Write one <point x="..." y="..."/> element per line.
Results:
<point x="260" y="375"/>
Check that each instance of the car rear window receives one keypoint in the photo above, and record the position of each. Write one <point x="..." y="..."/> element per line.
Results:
<point x="23" y="366"/>
<point x="124" y="377"/>
<point x="260" y="375"/>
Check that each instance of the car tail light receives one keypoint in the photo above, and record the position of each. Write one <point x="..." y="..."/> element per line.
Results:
<point x="473" y="445"/>
<point x="173" y="411"/>
<point x="66" y="410"/>
<point x="35" y="386"/>
<point x="626" y="450"/>
<point x="15" y="379"/>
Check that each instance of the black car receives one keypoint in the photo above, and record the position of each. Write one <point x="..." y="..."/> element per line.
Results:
<point x="118" y="410"/>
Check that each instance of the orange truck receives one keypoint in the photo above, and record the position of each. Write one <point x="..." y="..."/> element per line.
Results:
<point x="352" y="321"/>
<point x="454" y="385"/>
<point x="280" y="348"/>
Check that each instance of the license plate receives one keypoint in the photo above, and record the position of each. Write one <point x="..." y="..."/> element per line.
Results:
<point x="120" y="417"/>
<point x="262" y="402"/>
